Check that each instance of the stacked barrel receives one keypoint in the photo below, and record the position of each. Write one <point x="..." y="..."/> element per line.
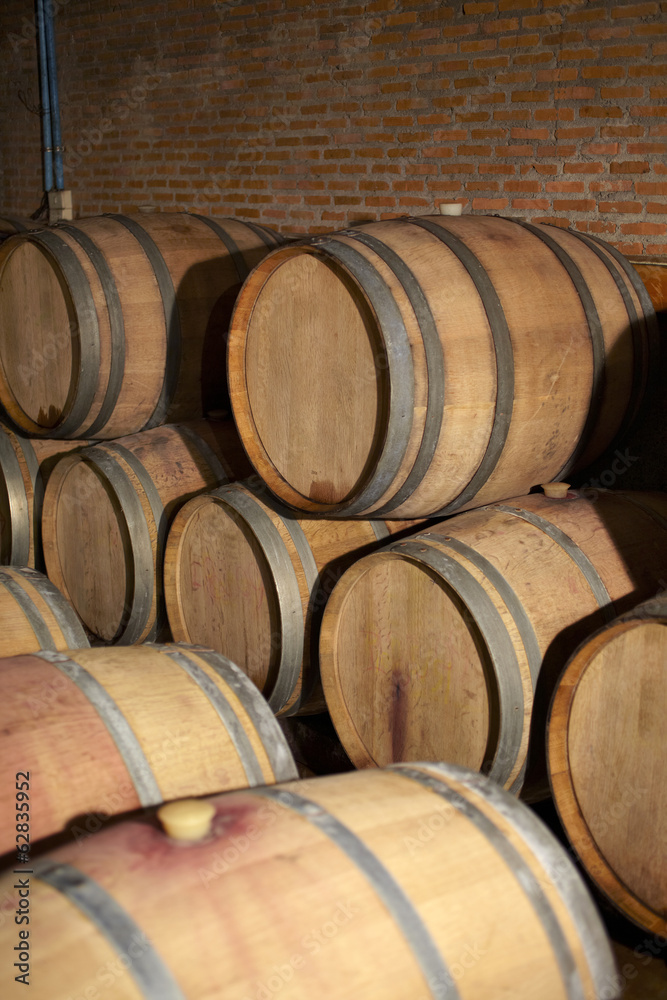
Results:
<point x="362" y="538"/>
<point x="112" y="334"/>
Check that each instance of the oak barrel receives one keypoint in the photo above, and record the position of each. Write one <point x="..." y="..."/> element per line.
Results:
<point x="106" y="731"/>
<point x="122" y="320"/>
<point x="35" y="615"/>
<point x="436" y="646"/>
<point x="607" y="760"/>
<point x="416" y="367"/>
<point x="423" y="882"/>
<point x="653" y="272"/>
<point x="25" y="465"/>
<point x="10" y="224"/>
<point x="243" y="575"/>
<point x="106" y="515"/>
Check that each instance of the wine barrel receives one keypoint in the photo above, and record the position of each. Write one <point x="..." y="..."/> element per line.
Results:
<point x="106" y="516"/>
<point x="122" y="320"/>
<point x="25" y="466"/>
<point x="607" y="761"/>
<point x="653" y="272"/>
<point x="105" y="731"/>
<point x="243" y="575"/>
<point x="415" y="883"/>
<point x="416" y="367"/>
<point x="35" y="615"/>
<point x="10" y="224"/>
<point x="432" y="647"/>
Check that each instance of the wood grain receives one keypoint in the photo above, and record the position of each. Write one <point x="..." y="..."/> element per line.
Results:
<point x="607" y="764"/>
<point x="77" y="771"/>
<point x="450" y="880"/>
<point x="344" y="360"/>
<point x="103" y="540"/>
<point x="253" y="600"/>
<point x="40" y="376"/>
<point x="407" y="662"/>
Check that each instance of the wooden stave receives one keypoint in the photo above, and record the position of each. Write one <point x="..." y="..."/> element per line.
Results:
<point x="145" y="511"/>
<point x="568" y="933"/>
<point x="507" y="764"/>
<point x="73" y="252"/>
<point x="25" y="466"/>
<point x="60" y="629"/>
<point x="596" y="865"/>
<point x="118" y="771"/>
<point x="296" y="577"/>
<point x="364" y="499"/>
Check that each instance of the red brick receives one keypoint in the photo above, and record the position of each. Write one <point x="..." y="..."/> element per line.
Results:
<point x="644" y="228"/>
<point x="629" y="167"/>
<point x="583" y="168"/>
<point x="564" y="187"/>
<point x="623" y="207"/>
<point x="575" y="205"/>
<point x="536" y="203"/>
<point x="489" y="204"/>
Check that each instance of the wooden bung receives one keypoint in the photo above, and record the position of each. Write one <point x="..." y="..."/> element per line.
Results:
<point x="106" y="515"/>
<point x="245" y="576"/>
<point x="424" y="882"/>
<point x="419" y="367"/>
<point x="116" y="324"/>
<point x="446" y="645"/>
<point x="25" y="466"/>
<point x="35" y="615"/>
<point x="607" y="760"/>
<point x="105" y="731"/>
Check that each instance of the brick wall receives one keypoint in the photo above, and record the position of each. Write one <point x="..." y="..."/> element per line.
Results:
<point x="307" y="115"/>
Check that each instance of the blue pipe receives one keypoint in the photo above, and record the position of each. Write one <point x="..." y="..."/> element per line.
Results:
<point x="53" y="91"/>
<point x="47" y="152"/>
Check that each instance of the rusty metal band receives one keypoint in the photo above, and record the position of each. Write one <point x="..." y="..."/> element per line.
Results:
<point x="225" y="712"/>
<point x="438" y="979"/>
<point x="233" y="249"/>
<point x="504" y="354"/>
<point x="547" y="851"/>
<point x="507" y="675"/>
<point x="577" y="555"/>
<point x="506" y="592"/>
<point x="215" y="463"/>
<point x="312" y="575"/>
<point x="117" y="725"/>
<point x="38" y="487"/>
<point x="153" y="978"/>
<point x="380" y="530"/>
<point x="29" y="609"/>
<point x="400" y="373"/>
<point x="19" y="513"/>
<point x="67" y="619"/>
<point x="116" y="325"/>
<point x="135" y="616"/>
<point x="266" y="235"/>
<point x="435" y="366"/>
<point x="265" y="723"/>
<point x="84" y="337"/>
<point x="287" y="591"/>
<point x="595" y="334"/>
<point x="172" y="319"/>
<point x="652" y="347"/>
<point x="161" y="526"/>
<point x="16" y="223"/>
